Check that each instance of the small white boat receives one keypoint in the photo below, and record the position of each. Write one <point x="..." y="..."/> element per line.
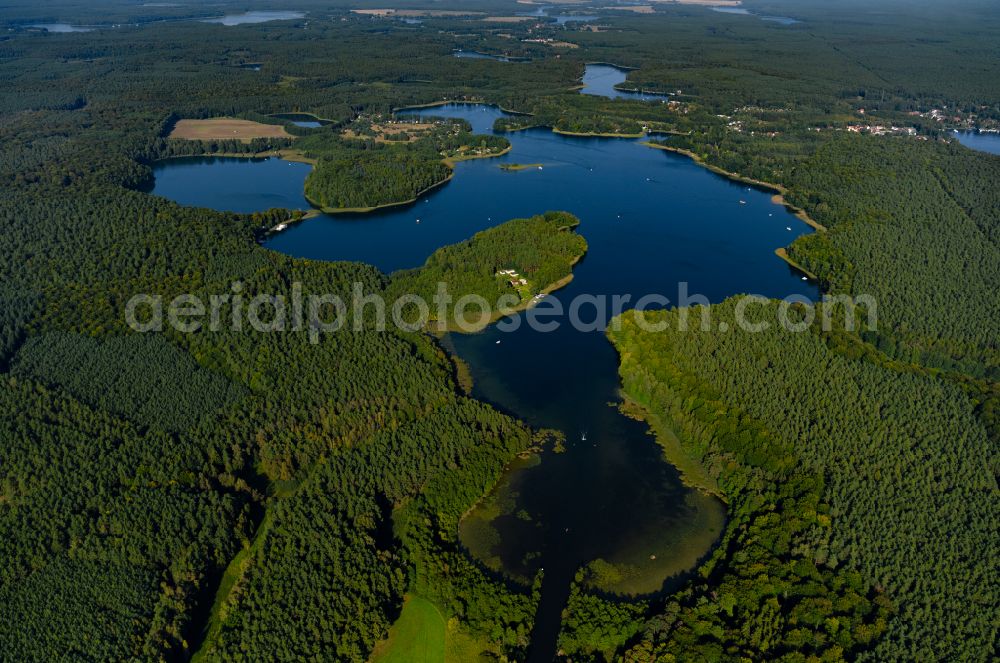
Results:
<point x="498" y="342"/>
<point x="805" y="278"/>
<point x="788" y="228"/>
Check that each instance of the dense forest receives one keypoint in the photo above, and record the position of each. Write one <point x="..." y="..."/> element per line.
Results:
<point x="235" y="496"/>
<point x="827" y="457"/>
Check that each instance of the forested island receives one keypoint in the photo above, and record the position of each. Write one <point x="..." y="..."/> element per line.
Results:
<point x="251" y="496"/>
<point x="509" y="267"/>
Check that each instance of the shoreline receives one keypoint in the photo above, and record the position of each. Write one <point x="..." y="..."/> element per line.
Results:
<point x="267" y="154"/>
<point x="583" y="134"/>
<point x="491" y="56"/>
<point x="693" y="474"/>
<point x="783" y="254"/>
<point x="445" y="102"/>
<point x="517" y="167"/>
<point x="364" y="210"/>
<point x="312" y="115"/>
<point x="778" y="198"/>
<point x="612" y="64"/>
<point x="438" y="328"/>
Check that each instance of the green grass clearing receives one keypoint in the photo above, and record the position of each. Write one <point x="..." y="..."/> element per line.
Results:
<point x="418" y="636"/>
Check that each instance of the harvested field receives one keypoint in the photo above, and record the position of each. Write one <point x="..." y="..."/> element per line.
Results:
<point x="220" y="128"/>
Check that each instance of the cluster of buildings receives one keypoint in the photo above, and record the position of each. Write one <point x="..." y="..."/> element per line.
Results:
<point x="739" y="127"/>
<point x="513" y="277"/>
<point x="881" y="130"/>
<point x="939" y="115"/>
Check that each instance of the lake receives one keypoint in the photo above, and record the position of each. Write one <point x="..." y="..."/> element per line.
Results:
<point x="600" y="80"/>
<point x="653" y="220"/>
<point x="237" y="184"/>
<point x="740" y="11"/>
<point x="60" y="27"/>
<point x="563" y="19"/>
<point x="731" y="10"/>
<point x="540" y="11"/>
<point x="306" y="120"/>
<point x="983" y="141"/>
<point x="255" y="17"/>
<point x="476" y="55"/>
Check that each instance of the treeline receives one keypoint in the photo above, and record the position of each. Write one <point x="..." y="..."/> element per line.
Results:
<point x="832" y="495"/>
<point x="182" y="148"/>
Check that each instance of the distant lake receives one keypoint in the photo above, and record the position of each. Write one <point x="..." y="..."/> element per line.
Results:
<point x="600" y="80"/>
<point x="61" y="27"/>
<point x="653" y="220"/>
<point x="305" y="120"/>
<point x="255" y="17"/>
<point x="981" y="141"/>
<point x="781" y="20"/>
<point x="476" y="55"/>
<point x="741" y="11"/>
<point x="540" y="11"/>
<point x="563" y="19"/>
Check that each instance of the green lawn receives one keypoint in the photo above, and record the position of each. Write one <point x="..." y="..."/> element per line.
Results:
<point x="416" y="637"/>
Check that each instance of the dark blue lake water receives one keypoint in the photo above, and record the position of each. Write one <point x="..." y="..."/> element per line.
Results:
<point x="982" y="141"/>
<point x="653" y="220"/>
<point x="232" y="184"/>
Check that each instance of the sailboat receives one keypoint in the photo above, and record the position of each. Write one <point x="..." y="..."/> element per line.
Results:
<point x="583" y="436"/>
